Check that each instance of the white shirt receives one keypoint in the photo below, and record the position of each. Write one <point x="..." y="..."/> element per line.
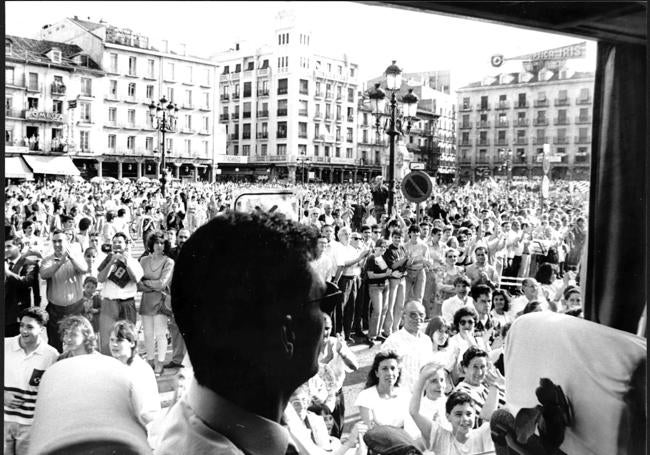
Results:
<point x="453" y="304"/>
<point x="415" y="350"/>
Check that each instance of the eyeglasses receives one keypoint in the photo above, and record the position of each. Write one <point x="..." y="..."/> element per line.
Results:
<point x="416" y="315"/>
<point x="466" y="322"/>
<point x="333" y="296"/>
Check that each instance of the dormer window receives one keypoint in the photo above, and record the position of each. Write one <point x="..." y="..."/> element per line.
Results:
<point x="56" y="56"/>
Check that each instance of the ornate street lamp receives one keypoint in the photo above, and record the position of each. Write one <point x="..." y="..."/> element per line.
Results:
<point x="395" y="117"/>
<point x="163" y="118"/>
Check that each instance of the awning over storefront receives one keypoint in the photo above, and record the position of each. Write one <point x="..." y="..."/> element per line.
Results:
<point x="57" y="165"/>
<point x="15" y="168"/>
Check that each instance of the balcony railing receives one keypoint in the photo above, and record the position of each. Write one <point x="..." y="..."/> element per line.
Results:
<point x="34" y="87"/>
<point x="261" y="114"/>
<point x="263" y="135"/>
<point x="246" y="135"/>
<point x="224" y="97"/>
<point x="339" y="99"/>
<point x="581" y="101"/>
<point x="465" y="108"/>
<point x="263" y="92"/>
<point x="560" y="140"/>
<point x="302" y="135"/>
<point x="281" y="135"/>
<point x="318" y="95"/>
<point x="502" y="141"/>
<point x="541" y="103"/>
<point x="233" y="136"/>
<point x="235" y="96"/>
<point x="521" y="122"/>
<point x="350" y="118"/>
<point x="235" y="116"/>
<point x="465" y="126"/>
<point x="539" y="140"/>
<point x="329" y="96"/>
<point x="484" y="141"/>
<point x="502" y="124"/>
<point x="483" y="107"/>
<point x="303" y="112"/>
<point x="583" y="120"/>
<point x="281" y="112"/>
<point x="583" y="139"/>
<point x="14" y="113"/>
<point x="540" y="122"/>
<point x="58" y="89"/>
<point x="247" y="94"/>
<point x="283" y="91"/>
<point x="522" y="105"/>
<point x="521" y="141"/>
<point x="224" y="117"/>
<point x="483" y="124"/>
<point x="502" y="105"/>
<point x="339" y="118"/>
<point x="560" y="121"/>
<point x="465" y="143"/>
<point x="318" y="116"/>
<point x="562" y="101"/>
<point x="246" y="114"/>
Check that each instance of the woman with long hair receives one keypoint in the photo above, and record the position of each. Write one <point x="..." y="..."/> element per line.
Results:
<point x="500" y="307"/>
<point x="123" y="342"/>
<point x="154" y="307"/>
<point x="78" y="337"/>
<point x="384" y="402"/>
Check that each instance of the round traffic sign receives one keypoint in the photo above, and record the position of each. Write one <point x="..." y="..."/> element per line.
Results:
<point x="417" y="186"/>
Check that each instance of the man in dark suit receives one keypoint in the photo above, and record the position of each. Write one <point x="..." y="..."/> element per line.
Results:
<point x="21" y="279"/>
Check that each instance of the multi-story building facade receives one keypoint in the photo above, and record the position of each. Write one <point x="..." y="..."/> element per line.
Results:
<point x="431" y="139"/>
<point x="43" y="82"/>
<point x="125" y="142"/>
<point x="372" y="146"/>
<point x="288" y="110"/>
<point x="504" y="121"/>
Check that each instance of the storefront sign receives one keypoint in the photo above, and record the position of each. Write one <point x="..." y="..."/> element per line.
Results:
<point x="32" y="114"/>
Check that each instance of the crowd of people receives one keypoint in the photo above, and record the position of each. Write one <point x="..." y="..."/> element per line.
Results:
<point x="436" y="284"/>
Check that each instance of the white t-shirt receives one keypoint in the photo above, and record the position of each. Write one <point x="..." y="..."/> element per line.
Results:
<point x="442" y="441"/>
<point x="453" y="304"/>
<point x="386" y="411"/>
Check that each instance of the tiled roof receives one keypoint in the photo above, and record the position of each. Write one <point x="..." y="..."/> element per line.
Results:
<point x="516" y="76"/>
<point x="90" y="26"/>
<point x="34" y="51"/>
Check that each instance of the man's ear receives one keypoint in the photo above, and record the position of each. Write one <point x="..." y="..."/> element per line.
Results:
<point x="288" y="336"/>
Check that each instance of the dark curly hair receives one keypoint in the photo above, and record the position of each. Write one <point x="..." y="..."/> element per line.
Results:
<point x="506" y="298"/>
<point x="462" y="312"/>
<point x="471" y="353"/>
<point x="260" y="264"/>
<point x="455" y="399"/>
<point x="154" y="237"/>
<point x="373" y="379"/>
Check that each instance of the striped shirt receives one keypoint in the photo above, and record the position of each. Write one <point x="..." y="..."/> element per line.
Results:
<point x="23" y="374"/>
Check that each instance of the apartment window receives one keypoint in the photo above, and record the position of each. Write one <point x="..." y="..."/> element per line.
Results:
<point x="337" y="152"/>
<point x="349" y="135"/>
<point x="351" y="95"/>
<point x="482" y="137"/>
<point x="9" y="75"/>
<point x="484" y="102"/>
<point x="84" y="115"/>
<point x="169" y="145"/>
<point x="503" y="120"/>
<point x="583" y="133"/>
<point x="111" y="142"/>
<point x="584" y="114"/>
<point x="236" y="94"/>
<point x="348" y="153"/>
<point x="112" y="88"/>
<point x="188" y="98"/>
<point x="206" y="100"/>
<point x="316" y="150"/>
<point x="131" y="66"/>
<point x="466" y="103"/>
<point x="245" y="150"/>
<point x="329" y="67"/>
<point x="521" y="101"/>
<point x="302" y="149"/>
<point x="304" y="87"/>
<point x="33" y="81"/>
<point x="282" y="149"/>
<point x="130" y="143"/>
<point x="32" y="103"/>
<point x="338" y="133"/>
<point x="247" y="89"/>
<point x="188" y="146"/>
<point x="188" y="122"/>
<point x="501" y="136"/>
<point x="318" y="89"/>
<point x="338" y="92"/>
<point x="482" y="155"/>
<point x="364" y="134"/>
<point x="302" y="130"/>
<point x="131" y="117"/>
<point x="318" y="111"/>
<point x="338" y="112"/>
<point x="303" y="108"/>
<point x="250" y="66"/>
<point x="171" y="70"/>
<point x="561" y="116"/>
<point x="148" y="144"/>
<point x="328" y="90"/>
<point x="317" y="130"/>
<point x="113" y="63"/>
<point x="150" y="92"/>
<point x="327" y="150"/>
<point x="206" y="123"/>
<point x="170" y="94"/>
<point x="282" y="130"/>
<point x="247" y="110"/>
<point x="188" y="73"/>
<point x="150" y="68"/>
<point x="264" y="150"/>
<point x="246" y="131"/>
<point x="207" y="77"/>
<point x="235" y="149"/>
<point x="282" y="107"/>
<point x="328" y="111"/>
<point x="365" y="119"/>
<point x="84" y="140"/>
<point x="283" y="86"/>
<point x="57" y="106"/>
<point x="562" y="95"/>
<point x="205" y="148"/>
<point x="86" y="86"/>
<point x="131" y="90"/>
<point x="350" y="114"/>
<point x="351" y="72"/>
<point x="265" y="129"/>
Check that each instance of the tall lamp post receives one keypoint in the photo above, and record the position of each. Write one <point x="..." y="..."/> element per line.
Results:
<point x="507" y="165"/>
<point x="395" y="117"/>
<point x="303" y="160"/>
<point x="163" y="118"/>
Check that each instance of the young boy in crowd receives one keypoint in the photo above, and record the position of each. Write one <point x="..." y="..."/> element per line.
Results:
<point x="92" y="302"/>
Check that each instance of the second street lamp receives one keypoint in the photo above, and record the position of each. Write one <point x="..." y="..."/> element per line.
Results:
<point x="395" y="118"/>
<point x="163" y="118"/>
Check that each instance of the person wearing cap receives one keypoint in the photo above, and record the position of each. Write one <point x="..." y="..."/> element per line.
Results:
<point x="255" y="344"/>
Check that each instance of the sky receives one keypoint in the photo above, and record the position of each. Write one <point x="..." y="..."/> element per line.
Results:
<point x="371" y="36"/>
